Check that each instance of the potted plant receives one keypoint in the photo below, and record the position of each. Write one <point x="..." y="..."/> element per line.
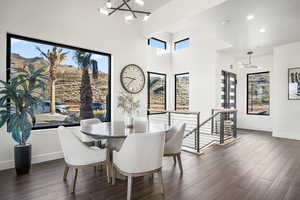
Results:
<point x="19" y="100"/>
<point x="129" y="107"/>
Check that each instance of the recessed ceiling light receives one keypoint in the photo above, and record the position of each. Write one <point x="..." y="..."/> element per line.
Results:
<point x="250" y="17"/>
<point x="262" y="30"/>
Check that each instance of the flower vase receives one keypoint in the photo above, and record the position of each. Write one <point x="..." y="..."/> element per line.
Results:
<point x="129" y="121"/>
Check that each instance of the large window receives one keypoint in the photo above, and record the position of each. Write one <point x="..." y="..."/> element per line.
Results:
<point x="154" y="42"/>
<point x="182" y="91"/>
<point x="258" y="94"/>
<point x="157" y="91"/>
<point x="182" y="44"/>
<point x="79" y="80"/>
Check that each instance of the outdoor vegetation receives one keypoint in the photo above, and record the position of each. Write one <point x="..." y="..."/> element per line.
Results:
<point x="182" y="92"/>
<point x="77" y="86"/>
<point x="157" y="91"/>
<point x="259" y="93"/>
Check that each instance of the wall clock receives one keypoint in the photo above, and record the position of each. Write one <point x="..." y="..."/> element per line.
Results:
<point x="132" y="78"/>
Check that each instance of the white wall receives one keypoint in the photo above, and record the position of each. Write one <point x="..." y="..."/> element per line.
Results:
<point x="159" y="60"/>
<point x="285" y="112"/>
<point x="75" y="23"/>
<point x="200" y="60"/>
<point x="254" y="122"/>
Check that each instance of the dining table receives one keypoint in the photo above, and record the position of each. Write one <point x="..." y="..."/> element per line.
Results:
<point x="115" y="133"/>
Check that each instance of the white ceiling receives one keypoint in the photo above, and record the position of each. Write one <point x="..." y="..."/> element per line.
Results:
<point x="281" y="18"/>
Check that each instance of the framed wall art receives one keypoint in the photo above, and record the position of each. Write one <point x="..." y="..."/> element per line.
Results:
<point x="294" y="83"/>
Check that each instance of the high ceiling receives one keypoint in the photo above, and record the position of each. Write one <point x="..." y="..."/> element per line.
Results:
<point x="150" y="5"/>
<point x="280" y="18"/>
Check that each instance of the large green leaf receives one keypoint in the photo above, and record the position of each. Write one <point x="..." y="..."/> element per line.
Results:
<point x="18" y="100"/>
<point x="4" y="116"/>
<point x="16" y="136"/>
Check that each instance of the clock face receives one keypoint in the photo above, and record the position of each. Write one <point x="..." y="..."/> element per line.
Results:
<point x="132" y="78"/>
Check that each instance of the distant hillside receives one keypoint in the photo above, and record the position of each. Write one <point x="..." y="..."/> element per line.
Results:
<point x="20" y="61"/>
<point x="38" y="62"/>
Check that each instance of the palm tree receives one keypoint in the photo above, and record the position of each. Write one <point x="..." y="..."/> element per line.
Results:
<point x="84" y="61"/>
<point x="54" y="57"/>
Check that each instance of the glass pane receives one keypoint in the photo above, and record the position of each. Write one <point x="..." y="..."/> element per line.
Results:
<point x="157" y="91"/>
<point x="182" y="44"/>
<point x="182" y="92"/>
<point x="157" y="43"/>
<point x="81" y="88"/>
<point x="259" y="93"/>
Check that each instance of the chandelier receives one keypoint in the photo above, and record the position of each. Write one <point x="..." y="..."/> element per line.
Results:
<point x="249" y="64"/>
<point x="124" y="6"/>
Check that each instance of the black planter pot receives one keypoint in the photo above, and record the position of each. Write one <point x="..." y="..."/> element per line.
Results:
<point x="22" y="159"/>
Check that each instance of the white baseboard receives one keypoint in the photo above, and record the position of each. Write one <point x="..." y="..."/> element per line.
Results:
<point x="286" y="135"/>
<point x="7" y="164"/>
<point x="35" y="159"/>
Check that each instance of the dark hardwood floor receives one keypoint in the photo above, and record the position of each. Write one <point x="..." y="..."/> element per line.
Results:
<point x="256" y="167"/>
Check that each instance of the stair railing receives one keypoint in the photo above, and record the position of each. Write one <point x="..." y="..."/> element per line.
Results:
<point x="197" y="136"/>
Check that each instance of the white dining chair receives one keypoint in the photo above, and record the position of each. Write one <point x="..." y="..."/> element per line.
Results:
<point x="90" y="126"/>
<point x="140" y="155"/>
<point x="77" y="155"/>
<point x="174" y="139"/>
<point x="87" y="124"/>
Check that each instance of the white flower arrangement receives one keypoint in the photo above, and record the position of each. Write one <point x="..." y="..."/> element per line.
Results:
<point x="128" y="104"/>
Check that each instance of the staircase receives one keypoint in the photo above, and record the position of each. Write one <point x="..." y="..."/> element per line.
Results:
<point x="218" y="128"/>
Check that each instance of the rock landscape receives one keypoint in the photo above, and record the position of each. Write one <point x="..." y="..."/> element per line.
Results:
<point x="69" y="81"/>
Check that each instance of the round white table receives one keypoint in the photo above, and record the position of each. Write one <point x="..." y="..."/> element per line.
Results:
<point x="115" y="133"/>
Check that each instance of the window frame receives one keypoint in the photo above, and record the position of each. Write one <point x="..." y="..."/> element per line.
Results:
<point x="247" y="96"/>
<point x="175" y="43"/>
<point x="10" y="36"/>
<point x="148" y="92"/>
<point x="175" y="80"/>
<point x="153" y="38"/>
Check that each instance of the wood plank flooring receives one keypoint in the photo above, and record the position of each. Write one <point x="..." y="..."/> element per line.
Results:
<point x="257" y="167"/>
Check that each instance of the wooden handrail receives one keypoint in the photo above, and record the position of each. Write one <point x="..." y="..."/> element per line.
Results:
<point x="174" y="112"/>
<point x="222" y="110"/>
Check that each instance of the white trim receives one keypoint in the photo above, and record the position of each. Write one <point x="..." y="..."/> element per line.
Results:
<point x="286" y="135"/>
<point x="35" y="159"/>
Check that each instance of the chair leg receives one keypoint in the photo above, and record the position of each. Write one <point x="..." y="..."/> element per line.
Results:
<point x="179" y="162"/>
<point x="113" y="176"/>
<point x="108" y="173"/>
<point x="162" y="188"/>
<point x="75" y="172"/>
<point x="174" y="158"/>
<point x="129" y="187"/>
<point x="66" y="172"/>
<point x="108" y="165"/>
<point x="95" y="169"/>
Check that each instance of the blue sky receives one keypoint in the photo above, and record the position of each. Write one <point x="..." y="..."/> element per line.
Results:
<point x="28" y="49"/>
<point x="182" y="44"/>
